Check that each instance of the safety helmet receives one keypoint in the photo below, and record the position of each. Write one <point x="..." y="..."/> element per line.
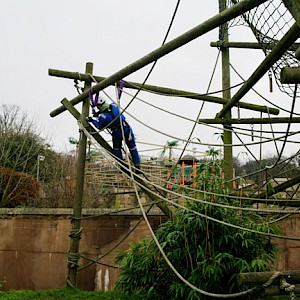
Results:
<point x="100" y="100"/>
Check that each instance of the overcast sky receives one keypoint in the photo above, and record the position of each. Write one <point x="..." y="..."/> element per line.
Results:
<point x="65" y="34"/>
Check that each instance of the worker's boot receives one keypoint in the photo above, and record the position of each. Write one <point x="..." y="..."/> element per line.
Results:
<point x="137" y="169"/>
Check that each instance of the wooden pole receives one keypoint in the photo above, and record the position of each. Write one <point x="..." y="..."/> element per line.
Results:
<point x="182" y="173"/>
<point x="279" y="188"/>
<point x="255" y="278"/>
<point x="174" y="44"/>
<point x="249" y="45"/>
<point x="294" y="7"/>
<point x="290" y="75"/>
<point x="75" y="235"/>
<point x="277" y="120"/>
<point x="227" y="132"/>
<point x="284" y="44"/>
<point x="194" y="174"/>
<point x="163" y="90"/>
<point x="269" y="283"/>
<point x="297" y="53"/>
<point x="275" y="290"/>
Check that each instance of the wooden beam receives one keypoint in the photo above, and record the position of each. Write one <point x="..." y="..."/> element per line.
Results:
<point x="257" y="278"/>
<point x="279" y="188"/>
<point x="294" y="7"/>
<point x="212" y="23"/>
<point x="285" y="43"/>
<point x="163" y="90"/>
<point x="249" y="45"/>
<point x="91" y="130"/>
<point x="297" y="53"/>
<point x="275" y="290"/>
<point x="277" y="120"/>
<point x="290" y="75"/>
<point x="260" y="279"/>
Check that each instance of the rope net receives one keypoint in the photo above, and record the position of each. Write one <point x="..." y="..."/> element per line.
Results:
<point x="269" y="22"/>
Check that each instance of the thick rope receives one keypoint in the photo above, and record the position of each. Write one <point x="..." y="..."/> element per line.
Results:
<point x="267" y="140"/>
<point x="223" y="296"/>
<point x="275" y="211"/>
<point x="290" y="288"/>
<point x="73" y="258"/>
<point x="272" y="279"/>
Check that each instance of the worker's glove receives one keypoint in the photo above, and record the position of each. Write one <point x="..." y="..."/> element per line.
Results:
<point x="94" y="112"/>
<point x="89" y="119"/>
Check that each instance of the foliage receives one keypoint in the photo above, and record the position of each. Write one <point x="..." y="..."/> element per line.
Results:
<point x="16" y="188"/>
<point x="66" y="294"/>
<point x="206" y="253"/>
<point x="21" y="148"/>
<point x="169" y="147"/>
<point x="59" y="182"/>
<point x="20" y="145"/>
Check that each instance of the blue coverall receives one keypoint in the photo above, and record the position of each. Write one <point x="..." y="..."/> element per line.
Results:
<point x="105" y="118"/>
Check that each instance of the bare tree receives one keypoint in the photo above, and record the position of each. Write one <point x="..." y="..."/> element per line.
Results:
<point x="20" y="147"/>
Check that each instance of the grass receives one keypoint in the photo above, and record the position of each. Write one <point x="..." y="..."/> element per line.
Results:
<point x="66" y="293"/>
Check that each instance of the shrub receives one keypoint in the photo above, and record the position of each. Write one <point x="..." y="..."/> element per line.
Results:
<point x="16" y="188"/>
<point x="207" y="253"/>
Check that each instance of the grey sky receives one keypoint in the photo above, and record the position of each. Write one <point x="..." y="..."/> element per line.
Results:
<point x="38" y="35"/>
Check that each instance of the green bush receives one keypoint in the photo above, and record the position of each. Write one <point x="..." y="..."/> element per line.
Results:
<point x="208" y="254"/>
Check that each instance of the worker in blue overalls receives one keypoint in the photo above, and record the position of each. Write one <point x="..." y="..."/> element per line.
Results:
<point x="108" y="116"/>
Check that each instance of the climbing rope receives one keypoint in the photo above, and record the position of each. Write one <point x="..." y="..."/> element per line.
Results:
<point x="172" y="267"/>
<point x="269" y="211"/>
<point x="267" y="139"/>
<point x="208" y="217"/>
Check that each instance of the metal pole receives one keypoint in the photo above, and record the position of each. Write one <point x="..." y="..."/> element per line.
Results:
<point x="75" y="235"/>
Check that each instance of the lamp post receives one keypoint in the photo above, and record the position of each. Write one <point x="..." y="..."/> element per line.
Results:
<point x="39" y="158"/>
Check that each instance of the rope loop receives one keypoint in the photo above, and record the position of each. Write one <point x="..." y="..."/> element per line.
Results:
<point x="72" y="259"/>
<point x="75" y="233"/>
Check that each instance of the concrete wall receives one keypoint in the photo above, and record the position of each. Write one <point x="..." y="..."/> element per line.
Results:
<point x="34" y="243"/>
<point x="33" y="247"/>
<point x="290" y="249"/>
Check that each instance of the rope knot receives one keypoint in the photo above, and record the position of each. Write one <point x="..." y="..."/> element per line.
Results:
<point x="290" y="288"/>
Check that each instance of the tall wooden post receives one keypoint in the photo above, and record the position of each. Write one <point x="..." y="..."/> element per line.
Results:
<point x="227" y="133"/>
<point x="75" y="234"/>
